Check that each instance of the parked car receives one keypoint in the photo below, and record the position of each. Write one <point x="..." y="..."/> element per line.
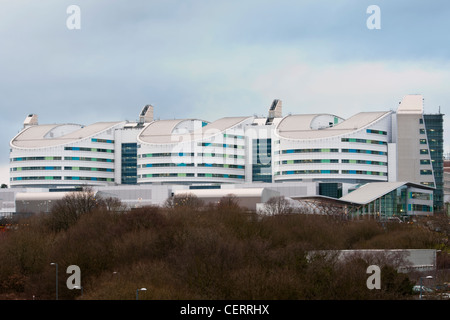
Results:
<point x="416" y="288"/>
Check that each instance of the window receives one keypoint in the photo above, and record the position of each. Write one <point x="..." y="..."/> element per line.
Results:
<point x="262" y="160"/>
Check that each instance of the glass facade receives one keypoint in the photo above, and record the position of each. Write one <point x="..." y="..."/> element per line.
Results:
<point x="129" y="163"/>
<point x="330" y="189"/>
<point x="435" y="136"/>
<point x="262" y="160"/>
<point x="391" y="204"/>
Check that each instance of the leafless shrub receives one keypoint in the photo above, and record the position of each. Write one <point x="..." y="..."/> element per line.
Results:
<point x="277" y="205"/>
<point x="183" y="202"/>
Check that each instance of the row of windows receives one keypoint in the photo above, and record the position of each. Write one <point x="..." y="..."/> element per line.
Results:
<point x="200" y="175"/>
<point x="183" y="154"/>
<point x="420" y="196"/>
<point x="378" y="163"/>
<point x="372" y="173"/>
<point x="420" y="207"/>
<point x="382" y="153"/>
<point x="331" y="150"/>
<point x="60" y="158"/>
<point x="89" y="169"/>
<point x="234" y="136"/>
<point x="363" y="141"/>
<point x="89" y="149"/>
<point x="376" y="132"/>
<point x="167" y="154"/>
<point x="32" y="178"/>
<point x="306" y="161"/>
<point x="102" y="140"/>
<point x="307" y="172"/>
<point x="306" y="151"/>
<point x="220" y="155"/>
<point x="89" y="179"/>
<point x="34" y="168"/>
<point x="220" y="145"/>
<point x="376" y="173"/>
<point x="34" y="158"/>
<point x="215" y="165"/>
<point x="60" y="168"/>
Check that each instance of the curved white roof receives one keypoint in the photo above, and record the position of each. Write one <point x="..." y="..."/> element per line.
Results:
<point x="159" y="132"/>
<point x="374" y="190"/>
<point x="39" y="136"/>
<point x="299" y="126"/>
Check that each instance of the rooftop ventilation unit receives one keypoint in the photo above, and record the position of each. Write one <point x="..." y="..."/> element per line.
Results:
<point x="275" y="111"/>
<point x="30" y="120"/>
<point x="146" y="114"/>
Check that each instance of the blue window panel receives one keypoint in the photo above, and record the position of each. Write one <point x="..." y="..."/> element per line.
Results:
<point x="325" y="171"/>
<point x="352" y="171"/>
<point x="352" y="150"/>
<point x="108" y="160"/>
<point x="289" y="172"/>
<point x="148" y="165"/>
<point x="181" y="165"/>
<point x="108" y="170"/>
<point x="290" y="151"/>
<point x="94" y="178"/>
<point x="49" y="168"/>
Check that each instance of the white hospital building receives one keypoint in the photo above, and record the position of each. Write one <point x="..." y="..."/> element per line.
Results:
<point x="298" y="155"/>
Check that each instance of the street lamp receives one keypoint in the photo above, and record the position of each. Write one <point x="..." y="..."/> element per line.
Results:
<point x="137" y="292"/>
<point x="56" y="265"/>
<point x="420" y="284"/>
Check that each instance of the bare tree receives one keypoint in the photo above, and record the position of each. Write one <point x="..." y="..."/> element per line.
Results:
<point x="228" y="203"/>
<point x="278" y="205"/>
<point x="184" y="201"/>
<point x="71" y="207"/>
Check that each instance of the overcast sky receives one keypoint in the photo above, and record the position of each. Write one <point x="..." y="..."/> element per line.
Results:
<point x="210" y="59"/>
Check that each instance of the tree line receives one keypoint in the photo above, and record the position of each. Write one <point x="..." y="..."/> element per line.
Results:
<point x="187" y="249"/>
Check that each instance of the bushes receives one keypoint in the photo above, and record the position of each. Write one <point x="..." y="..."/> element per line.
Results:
<point x="191" y="252"/>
